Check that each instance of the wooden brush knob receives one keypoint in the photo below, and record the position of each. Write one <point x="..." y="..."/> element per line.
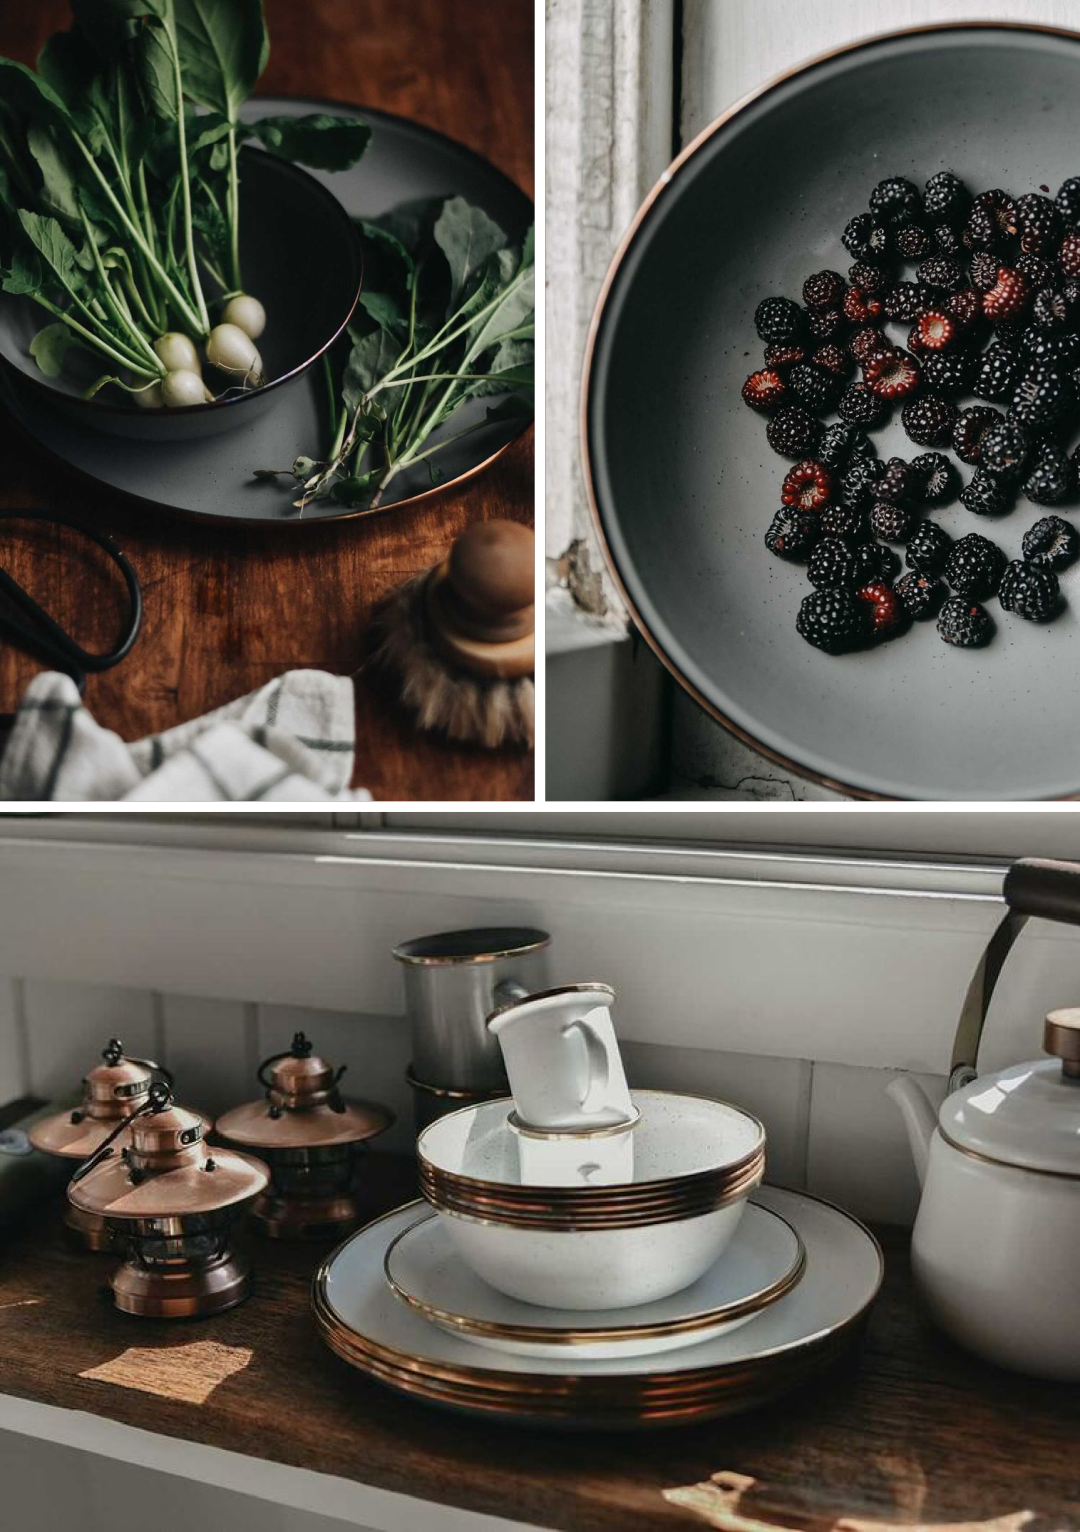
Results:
<point x="480" y="599"/>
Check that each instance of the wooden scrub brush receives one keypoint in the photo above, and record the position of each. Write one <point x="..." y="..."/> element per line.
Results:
<point x="460" y="638"/>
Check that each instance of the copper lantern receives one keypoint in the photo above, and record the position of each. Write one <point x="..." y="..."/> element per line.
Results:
<point x="113" y="1092"/>
<point x="169" y="1203"/>
<point x="311" y="1138"/>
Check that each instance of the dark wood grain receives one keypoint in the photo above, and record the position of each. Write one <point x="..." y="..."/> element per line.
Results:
<point x="228" y="608"/>
<point x="911" y="1434"/>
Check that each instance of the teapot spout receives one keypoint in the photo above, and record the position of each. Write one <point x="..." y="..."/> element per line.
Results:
<point x="919" y="1117"/>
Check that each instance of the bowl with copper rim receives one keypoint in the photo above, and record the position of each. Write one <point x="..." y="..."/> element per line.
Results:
<point x="684" y="484"/>
<point x="301" y="257"/>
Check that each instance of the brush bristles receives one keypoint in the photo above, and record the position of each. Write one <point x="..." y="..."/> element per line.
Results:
<point x="463" y="706"/>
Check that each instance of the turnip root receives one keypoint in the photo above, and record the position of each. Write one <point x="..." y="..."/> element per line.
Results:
<point x="148" y="398"/>
<point x="235" y="354"/>
<point x="183" y="387"/>
<point x="247" y="314"/>
<point x="176" y="351"/>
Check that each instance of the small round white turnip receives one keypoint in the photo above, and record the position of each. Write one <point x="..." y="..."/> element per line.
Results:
<point x="235" y="354"/>
<point x="148" y="398"/>
<point x="182" y="387"/>
<point x="247" y="314"/>
<point x="175" y="350"/>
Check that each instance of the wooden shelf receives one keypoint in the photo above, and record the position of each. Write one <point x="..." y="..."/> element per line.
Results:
<point x="911" y="1434"/>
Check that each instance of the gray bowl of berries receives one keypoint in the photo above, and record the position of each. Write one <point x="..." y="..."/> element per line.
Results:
<point x="855" y="403"/>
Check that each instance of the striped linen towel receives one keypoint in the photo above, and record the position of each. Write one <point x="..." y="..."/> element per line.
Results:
<point x="292" y="741"/>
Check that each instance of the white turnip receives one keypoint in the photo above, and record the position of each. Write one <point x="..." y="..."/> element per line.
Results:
<point x="247" y="314"/>
<point x="235" y="354"/>
<point x="183" y="387"/>
<point x="148" y="398"/>
<point x="175" y="350"/>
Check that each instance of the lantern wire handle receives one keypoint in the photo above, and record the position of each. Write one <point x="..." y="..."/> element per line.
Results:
<point x="299" y="1049"/>
<point x="113" y="1052"/>
<point x="160" y="1097"/>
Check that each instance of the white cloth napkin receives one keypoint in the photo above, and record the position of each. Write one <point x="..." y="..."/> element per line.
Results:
<point x="291" y="741"/>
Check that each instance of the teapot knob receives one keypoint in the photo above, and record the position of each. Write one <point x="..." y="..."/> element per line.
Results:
<point x="1062" y="1037"/>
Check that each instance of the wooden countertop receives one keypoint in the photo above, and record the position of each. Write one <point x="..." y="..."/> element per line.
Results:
<point x="911" y="1434"/>
<point x="228" y="608"/>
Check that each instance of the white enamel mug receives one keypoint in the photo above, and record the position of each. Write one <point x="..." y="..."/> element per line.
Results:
<point x="562" y="1058"/>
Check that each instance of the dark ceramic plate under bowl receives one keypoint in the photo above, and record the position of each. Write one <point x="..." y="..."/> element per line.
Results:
<point x="213" y="479"/>
<point x="285" y="214"/>
<point x="684" y="483"/>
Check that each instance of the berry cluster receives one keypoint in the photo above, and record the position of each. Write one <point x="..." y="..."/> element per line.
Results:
<point x="989" y="310"/>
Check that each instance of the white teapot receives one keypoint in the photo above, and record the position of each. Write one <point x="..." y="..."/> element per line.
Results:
<point x="996" y="1244"/>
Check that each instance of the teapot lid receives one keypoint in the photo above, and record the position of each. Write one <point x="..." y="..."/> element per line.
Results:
<point x="1029" y="1114"/>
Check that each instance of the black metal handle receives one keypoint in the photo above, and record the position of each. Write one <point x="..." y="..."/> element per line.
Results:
<point x="113" y="1052"/>
<point x="159" y="1098"/>
<point x="1048" y="889"/>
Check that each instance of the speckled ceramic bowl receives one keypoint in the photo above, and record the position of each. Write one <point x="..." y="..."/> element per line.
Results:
<point x="685" y="484"/>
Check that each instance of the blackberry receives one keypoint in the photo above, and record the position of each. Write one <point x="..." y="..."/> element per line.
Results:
<point x="1041" y="396"/>
<point x="1067" y="201"/>
<point x="935" y="478"/>
<point x="933" y="331"/>
<point x="778" y="321"/>
<point x="940" y="271"/>
<point x="832" y="359"/>
<point x="831" y="563"/>
<point x="866" y="343"/>
<point x="1049" y="479"/>
<point x="1030" y="590"/>
<point x="946" y="199"/>
<point x="965" y="307"/>
<point x="812" y="386"/>
<point x="1038" y="223"/>
<point x="783" y="357"/>
<point x="1004" y="450"/>
<point x="764" y="391"/>
<point x="947" y="241"/>
<point x="844" y="521"/>
<point x="793" y="432"/>
<point x="860" y="406"/>
<point x="858" y="481"/>
<point x="874" y="561"/>
<point x="929" y="420"/>
<point x="1052" y="542"/>
<point x="991" y="220"/>
<point x="892" y="374"/>
<point x="892" y="523"/>
<point x="1050" y="310"/>
<point x="856" y="236"/>
<point x="823" y="290"/>
<point x="808" y="485"/>
<point x="1069" y="254"/>
<point x="999" y="372"/>
<point x="920" y="594"/>
<point x="984" y="270"/>
<point x="896" y="483"/>
<point x="949" y="372"/>
<point x="834" y="620"/>
<point x="826" y="324"/>
<point x="886" y="612"/>
<point x="913" y="242"/>
<point x="861" y="307"/>
<point x="1008" y="296"/>
<point x="871" y="279"/>
<point x="974" y="566"/>
<point x="928" y="548"/>
<point x="792" y="533"/>
<point x="1036" y="270"/>
<point x="971" y="426"/>
<point x="895" y="200"/>
<point x="1053" y="350"/>
<point x="986" y="496"/>
<point x="840" y="443"/>
<point x="906" y="301"/>
<point x="965" y="624"/>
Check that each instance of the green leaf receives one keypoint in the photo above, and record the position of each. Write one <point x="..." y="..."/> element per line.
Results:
<point x="154" y="71"/>
<point x="467" y="237"/>
<point x="24" y="92"/>
<point x="25" y="276"/>
<point x="356" y="489"/>
<point x="59" y="191"/>
<point x="109" y="25"/>
<point x="223" y="50"/>
<point x="209" y="221"/>
<point x="386" y="240"/>
<point x="55" y="249"/>
<point x="513" y="288"/>
<point x="321" y="141"/>
<point x="512" y="369"/>
<point x="386" y="314"/>
<point x="49" y="347"/>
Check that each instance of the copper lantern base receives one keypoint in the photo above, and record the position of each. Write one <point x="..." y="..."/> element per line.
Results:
<point x="87" y="1230"/>
<point x="283" y="1217"/>
<point x="184" y="1290"/>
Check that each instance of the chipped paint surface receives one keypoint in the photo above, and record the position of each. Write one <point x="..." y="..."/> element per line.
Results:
<point x="189" y="1373"/>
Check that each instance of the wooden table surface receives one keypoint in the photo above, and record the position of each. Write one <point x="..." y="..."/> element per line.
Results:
<point x="228" y="608"/>
<point x="911" y="1434"/>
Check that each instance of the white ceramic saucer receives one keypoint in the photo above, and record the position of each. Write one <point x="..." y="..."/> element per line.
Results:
<point x="763" y="1262"/>
<point x="367" y="1326"/>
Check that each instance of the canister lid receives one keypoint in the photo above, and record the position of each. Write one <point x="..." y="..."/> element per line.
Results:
<point x="303" y="1108"/>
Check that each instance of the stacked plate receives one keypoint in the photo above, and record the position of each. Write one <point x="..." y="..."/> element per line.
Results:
<point x="680" y="1296"/>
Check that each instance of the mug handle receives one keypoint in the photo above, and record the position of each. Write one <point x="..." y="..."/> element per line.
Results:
<point x="597" y="1063"/>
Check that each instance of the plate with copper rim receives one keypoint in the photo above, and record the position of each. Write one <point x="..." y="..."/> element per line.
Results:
<point x="364" y="1323"/>
<point x="212" y="478"/>
<point x="763" y="1261"/>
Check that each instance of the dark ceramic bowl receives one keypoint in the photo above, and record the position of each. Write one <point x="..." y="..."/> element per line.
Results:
<point x="684" y="484"/>
<point x="300" y="255"/>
